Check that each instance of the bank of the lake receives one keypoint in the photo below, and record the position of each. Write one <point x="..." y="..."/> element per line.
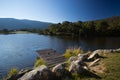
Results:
<point x="101" y="64"/>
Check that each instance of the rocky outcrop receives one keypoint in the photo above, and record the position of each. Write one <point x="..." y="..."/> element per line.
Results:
<point x="95" y="62"/>
<point x="82" y="57"/>
<point x="59" y="67"/>
<point x="72" y="58"/>
<point x="95" y="54"/>
<point x="23" y="71"/>
<point x="106" y="51"/>
<point x="98" y="52"/>
<point x="61" y="72"/>
<point x="80" y="64"/>
<point x="77" y="66"/>
<point x="117" y="50"/>
<point x="39" y="73"/>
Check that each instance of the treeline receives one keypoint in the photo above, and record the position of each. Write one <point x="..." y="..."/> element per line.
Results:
<point x="7" y="31"/>
<point x="4" y="31"/>
<point x="104" y="27"/>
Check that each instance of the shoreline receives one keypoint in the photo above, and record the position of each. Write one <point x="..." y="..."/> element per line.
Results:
<point x="88" y="56"/>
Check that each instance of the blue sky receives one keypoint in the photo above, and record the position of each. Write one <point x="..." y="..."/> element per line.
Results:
<point x="59" y="10"/>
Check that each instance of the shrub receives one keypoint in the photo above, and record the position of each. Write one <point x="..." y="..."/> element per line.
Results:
<point x="39" y="62"/>
<point x="72" y="52"/>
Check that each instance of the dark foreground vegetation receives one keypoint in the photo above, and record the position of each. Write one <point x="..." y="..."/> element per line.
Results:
<point x="103" y="27"/>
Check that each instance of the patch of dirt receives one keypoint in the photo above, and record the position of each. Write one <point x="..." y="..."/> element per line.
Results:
<point x="99" y="68"/>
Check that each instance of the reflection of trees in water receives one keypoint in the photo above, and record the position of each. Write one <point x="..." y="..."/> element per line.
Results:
<point x="89" y="43"/>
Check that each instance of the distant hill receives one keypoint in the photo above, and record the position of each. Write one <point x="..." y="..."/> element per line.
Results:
<point x="13" y="24"/>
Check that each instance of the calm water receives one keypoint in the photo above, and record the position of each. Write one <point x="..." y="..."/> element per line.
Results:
<point x="19" y="50"/>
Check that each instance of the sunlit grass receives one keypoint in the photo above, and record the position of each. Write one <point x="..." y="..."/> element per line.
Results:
<point x="112" y="68"/>
<point x="12" y="72"/>
<point x="112" y="63"/>
<point x="39" y="62"/>
<point x="72" y="52"/>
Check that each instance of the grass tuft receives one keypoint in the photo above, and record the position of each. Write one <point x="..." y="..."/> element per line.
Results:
<point x="72" y="52"/>
<point x="12" y="72"/>
<point x="39" y="62"/>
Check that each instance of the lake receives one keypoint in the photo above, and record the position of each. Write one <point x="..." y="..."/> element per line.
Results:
<point x="19" y="50"/>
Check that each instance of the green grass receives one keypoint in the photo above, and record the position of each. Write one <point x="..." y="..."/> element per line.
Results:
<point x="112" y="68"/>
<point x="39" y="62"/>
<point x="112" y="63"/>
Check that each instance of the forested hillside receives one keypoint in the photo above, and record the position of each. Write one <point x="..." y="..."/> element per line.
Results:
<point x="103" y="27"/>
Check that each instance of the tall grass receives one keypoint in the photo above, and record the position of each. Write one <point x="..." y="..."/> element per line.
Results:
<point x="72" y="52"/>
<point x="39" y="62"/>
<point x="12" y="72"/>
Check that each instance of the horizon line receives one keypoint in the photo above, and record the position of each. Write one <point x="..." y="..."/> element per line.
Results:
<point x="57" y="22"/>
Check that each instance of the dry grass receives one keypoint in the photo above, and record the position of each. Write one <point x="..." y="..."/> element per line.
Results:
<point x="39" y="62"/>
<point x="72" y="52"/>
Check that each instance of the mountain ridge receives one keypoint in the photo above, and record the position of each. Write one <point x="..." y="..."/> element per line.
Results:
<point x="13" y="24"/>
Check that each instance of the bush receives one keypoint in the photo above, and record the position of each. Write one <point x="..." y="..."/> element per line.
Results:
<point x="72" y="52"/>
<point x="39" y="62"/>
